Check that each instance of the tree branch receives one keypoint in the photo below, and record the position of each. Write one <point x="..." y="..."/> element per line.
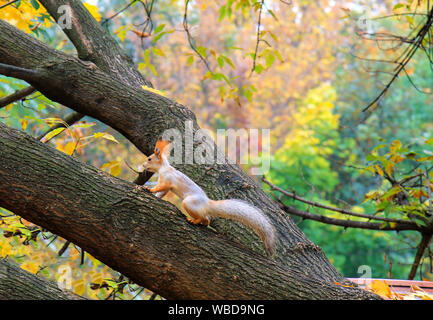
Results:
<point x="17" y="95"/>
<point x="18" y="284"/>
<point x="349" y="223"/>
<point x="339" y="210"/>
<point x="422" y="246"/>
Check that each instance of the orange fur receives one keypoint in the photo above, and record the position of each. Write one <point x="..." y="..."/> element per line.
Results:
<point x="162" y="148"/>
<point x="160" y="187"/>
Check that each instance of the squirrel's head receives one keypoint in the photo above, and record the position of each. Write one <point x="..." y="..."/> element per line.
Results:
<point x="155" y="161"/>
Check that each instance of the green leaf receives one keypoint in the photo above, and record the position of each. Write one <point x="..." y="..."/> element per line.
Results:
<point x="380" y="146"/>
<point x="398" y="6"/>
<point x="371" y="157"/>
<point x="228" y="61"/>
<point x="158" y="52"/>
<point x="270" y="58"/>
<point x="222" y="12"/>
<point x="104" y="135"/>
<point x="220" y="61"/>
<point x="146" y="56"/>
<point x="153" y="69"/>
<point x="248" y="94"/>
<point x="159" y="28"/>
<point x="272" y="14"/>
<point x="53" y="133"/>
<point x="258" y="68"/>
<point x="201" y="50"/>
<point x="159" y="35"/>
<point x="391" y="192"/>
<point x="35" y="4"/>
<point x="84" y="125"/>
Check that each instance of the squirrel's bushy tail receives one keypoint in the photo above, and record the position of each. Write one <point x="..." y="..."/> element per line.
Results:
<point x="248" y="215"/>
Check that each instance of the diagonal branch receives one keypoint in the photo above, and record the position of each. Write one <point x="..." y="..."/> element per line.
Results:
<point x="18" y="284"/>
<point x="339" y="210"/>
<point x="17" y="95"/>
<point x="422" y="246"/>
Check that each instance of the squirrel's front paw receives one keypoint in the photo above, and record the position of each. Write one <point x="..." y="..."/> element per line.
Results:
<point x="141" y="187"/>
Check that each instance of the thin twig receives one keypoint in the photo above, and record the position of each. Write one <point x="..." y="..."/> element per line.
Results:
<point x="7" y="4"/>
<point x="259" y="22"/>
<point x="406" y="57"/>
<point x="190" y="39"/>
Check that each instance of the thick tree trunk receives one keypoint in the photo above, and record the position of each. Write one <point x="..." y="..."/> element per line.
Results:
<point x="145" y="238"/>
<point x="18" y="284"/>
<point x="117" y="223"/>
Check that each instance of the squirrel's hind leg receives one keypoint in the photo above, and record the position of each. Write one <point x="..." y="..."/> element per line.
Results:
<point x="195" y="218"/>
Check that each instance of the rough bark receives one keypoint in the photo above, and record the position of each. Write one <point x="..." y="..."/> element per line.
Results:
<point x="18" y="284"/>
<point x="141" y="116"/>
<point x="145" y="238"/>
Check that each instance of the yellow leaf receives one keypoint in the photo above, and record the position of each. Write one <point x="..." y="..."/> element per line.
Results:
<point x="30" y="267"/>
<point x="397" y="159"/>
<point x="109" y="164"/>
<point x="24" y="124"/>
<point x="115" y="170"/>
<point x="24" y="16"/>
<point x="395" y="146"/>
<point x="79" y="287"/>
<point x="70" y="148"/>
<point x="6" y="250"/>
<point x="425" y="158"/>
<point x="109" y="137"/>
<point x="388" y="167"/>
<point x="381" y="288"/>
<point x="379" y="170"/>
<point x="153" y="90"/>
<point x="418" y="193"/>
<point x="104" y="135"/>
<point x="52" y="134"/>
<point x="94" y="11"/>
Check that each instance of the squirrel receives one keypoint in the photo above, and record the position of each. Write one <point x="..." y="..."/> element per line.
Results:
<point x="197" y="204"/>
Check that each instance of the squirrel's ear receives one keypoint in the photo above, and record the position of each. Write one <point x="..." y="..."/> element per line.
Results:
<point x="161" y="148"/>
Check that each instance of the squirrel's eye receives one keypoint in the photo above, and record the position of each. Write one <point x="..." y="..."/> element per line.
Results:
<point x="149" y="159"/>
